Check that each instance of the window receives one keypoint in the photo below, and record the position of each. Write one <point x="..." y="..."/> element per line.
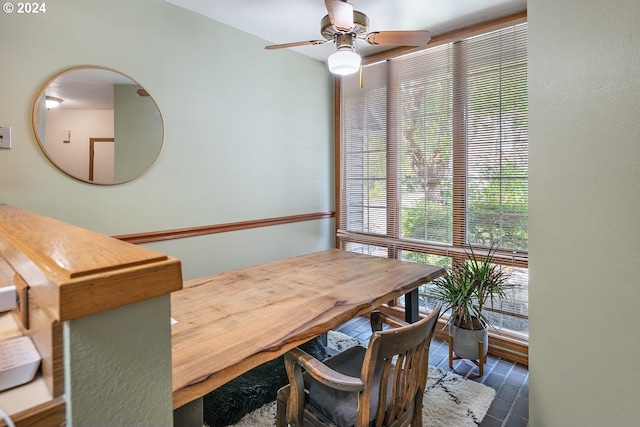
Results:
<point x="434" y="158"/>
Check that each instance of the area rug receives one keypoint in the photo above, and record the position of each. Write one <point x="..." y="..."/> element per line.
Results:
<point x="449" y="401"/>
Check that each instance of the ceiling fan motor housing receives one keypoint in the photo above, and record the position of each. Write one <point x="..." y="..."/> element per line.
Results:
<point x="360" y="26"/>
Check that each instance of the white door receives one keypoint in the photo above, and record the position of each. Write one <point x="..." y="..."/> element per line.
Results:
<point x="103" y="162"/>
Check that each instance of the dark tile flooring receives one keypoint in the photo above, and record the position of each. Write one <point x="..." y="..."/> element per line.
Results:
<point x="510" y="408"/>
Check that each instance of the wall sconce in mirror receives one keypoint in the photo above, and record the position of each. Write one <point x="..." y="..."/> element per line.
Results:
<point x="106" y="129"/>
<point x="52" y="102"/>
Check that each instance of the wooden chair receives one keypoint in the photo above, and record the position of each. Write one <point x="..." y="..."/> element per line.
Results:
<point x="381" y="385"/>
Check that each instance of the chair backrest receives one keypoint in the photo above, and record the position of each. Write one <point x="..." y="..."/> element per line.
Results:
<point x="399" y="357"/>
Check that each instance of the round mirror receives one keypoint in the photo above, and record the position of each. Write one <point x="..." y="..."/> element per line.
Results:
<point x="98" y="125"/>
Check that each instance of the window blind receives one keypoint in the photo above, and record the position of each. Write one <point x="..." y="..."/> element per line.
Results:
<point x="434" y="145"/>
<point x="495" y="127"/>
<point x="434" y="152"/>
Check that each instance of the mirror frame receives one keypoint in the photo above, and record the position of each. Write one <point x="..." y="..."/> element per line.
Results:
<point x="35" y="122"/>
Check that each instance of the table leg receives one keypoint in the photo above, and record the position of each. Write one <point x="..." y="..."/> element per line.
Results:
<point x="411" y="306"/>
<point x="189" y="415"/>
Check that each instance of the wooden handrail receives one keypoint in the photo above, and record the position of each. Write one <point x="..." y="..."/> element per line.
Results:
<point x="181" y="233"/>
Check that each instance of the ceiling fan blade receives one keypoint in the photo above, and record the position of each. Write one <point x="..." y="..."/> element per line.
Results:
<point x="340" y="13"/>
<point x="295" y="44"/>
<point x="399" y="38"/>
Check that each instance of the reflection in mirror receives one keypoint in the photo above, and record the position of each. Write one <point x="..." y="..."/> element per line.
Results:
<point x="98" y="125"/>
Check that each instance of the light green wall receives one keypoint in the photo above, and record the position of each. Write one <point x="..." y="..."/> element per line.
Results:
<point x="249" y="132"/>
<point x="248" y="135"/>
<point x="126" y="380"/>
<point x="584" y="106"/>
<point x="137" y="131"/>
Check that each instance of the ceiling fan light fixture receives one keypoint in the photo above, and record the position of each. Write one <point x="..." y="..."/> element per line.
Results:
<point x="344" y="26"/>
<point x="344" y="61"/>
<point x="52" y="102"/>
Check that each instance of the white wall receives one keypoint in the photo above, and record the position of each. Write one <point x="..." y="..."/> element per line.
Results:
<point x="584" y="107"/>
<point x="73" y="156"/>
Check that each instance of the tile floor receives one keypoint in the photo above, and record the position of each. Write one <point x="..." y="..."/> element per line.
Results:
<point x="510" y="408"/>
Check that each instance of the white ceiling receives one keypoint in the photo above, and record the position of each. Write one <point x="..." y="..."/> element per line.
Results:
<point x="284" y="21"/>
<point x="86" y="88"/>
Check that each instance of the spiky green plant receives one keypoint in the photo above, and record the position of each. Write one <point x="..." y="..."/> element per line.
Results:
<point x="468" y="285"/>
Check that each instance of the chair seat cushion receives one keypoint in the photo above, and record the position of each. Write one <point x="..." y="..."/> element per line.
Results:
<point x="337" y="405"/>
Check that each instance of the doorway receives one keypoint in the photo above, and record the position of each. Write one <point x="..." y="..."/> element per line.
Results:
<point x="102" y="160"/>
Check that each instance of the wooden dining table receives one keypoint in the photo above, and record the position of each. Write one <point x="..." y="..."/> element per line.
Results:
<point x="231" y="322"/>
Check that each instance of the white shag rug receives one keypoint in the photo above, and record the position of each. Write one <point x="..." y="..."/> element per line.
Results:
<point x="450" y="400"/>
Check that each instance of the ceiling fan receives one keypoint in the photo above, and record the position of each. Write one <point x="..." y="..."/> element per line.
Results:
<point x="344" y="26"/>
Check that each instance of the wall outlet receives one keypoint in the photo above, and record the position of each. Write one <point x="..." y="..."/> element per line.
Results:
<point x="5" y="137"/>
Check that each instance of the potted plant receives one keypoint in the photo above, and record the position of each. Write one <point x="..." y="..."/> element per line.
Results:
<point x="465" y="289"/>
